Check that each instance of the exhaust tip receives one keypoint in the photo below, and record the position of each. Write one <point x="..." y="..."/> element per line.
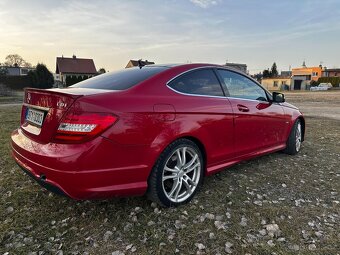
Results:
<point x="43" y="177"/>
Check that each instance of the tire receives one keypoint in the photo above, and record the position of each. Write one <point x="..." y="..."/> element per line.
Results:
<point x="177" y="174"/>
<point x="294" y="141"/>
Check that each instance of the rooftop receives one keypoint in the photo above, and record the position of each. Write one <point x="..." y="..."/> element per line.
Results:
<point x="75" y="65"/>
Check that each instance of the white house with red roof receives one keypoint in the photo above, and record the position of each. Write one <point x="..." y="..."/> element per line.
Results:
<point x="74" y="67"/>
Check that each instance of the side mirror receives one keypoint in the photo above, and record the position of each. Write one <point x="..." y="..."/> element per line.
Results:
<point x="278" y="97"/>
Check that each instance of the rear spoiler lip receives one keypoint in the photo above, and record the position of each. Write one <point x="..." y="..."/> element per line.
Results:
<point x="51" y="91"/>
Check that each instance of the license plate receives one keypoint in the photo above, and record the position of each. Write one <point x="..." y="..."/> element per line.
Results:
<point x="35" y="116"/>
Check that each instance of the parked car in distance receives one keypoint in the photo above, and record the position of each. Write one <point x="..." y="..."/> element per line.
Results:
<point x="155" y="130"/>
<point x="322" y="86"/>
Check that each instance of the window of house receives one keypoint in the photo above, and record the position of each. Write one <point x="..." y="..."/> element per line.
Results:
<point x="276" y="84"/>
<point x="240" y="86"/>
<point x="283" y="82"/>
<point x="198" y="82"/>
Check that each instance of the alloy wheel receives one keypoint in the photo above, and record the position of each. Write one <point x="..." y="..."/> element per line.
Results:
<point x="298" y="137"/>
<point x="181" y="174"/>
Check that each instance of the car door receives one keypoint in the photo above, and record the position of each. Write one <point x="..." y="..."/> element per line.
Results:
<point x="202" y="107"/>
<point x="258" y="123"/>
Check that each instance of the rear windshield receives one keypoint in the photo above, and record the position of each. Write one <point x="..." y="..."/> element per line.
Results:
<point x="120" y="80"/>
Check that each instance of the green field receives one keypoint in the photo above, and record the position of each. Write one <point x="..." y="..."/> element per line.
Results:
<point x="235" y="211"/>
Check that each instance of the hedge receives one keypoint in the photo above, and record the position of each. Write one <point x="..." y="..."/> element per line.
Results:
<point x="70" y="80"/>
<point x="16" y="82"/>
<point x="334" y="80"/>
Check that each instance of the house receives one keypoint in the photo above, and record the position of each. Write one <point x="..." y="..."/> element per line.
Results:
<point x="286" y="73"/>
<point x="17" y="70"/>
<point x="335" y="72"/>
<point x="302" y="77"/>
<point x="75" y="68"/>
<point x="237" y="66"/>
<point x="277" y="83"/>
<point x="133" y="63"/>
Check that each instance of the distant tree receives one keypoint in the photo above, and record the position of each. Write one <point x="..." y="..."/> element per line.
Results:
<point x="266" y="73"/>
<point x="41" y="77"/>
<point x="273" y="71"/>
<point x="16" y="60"/>
<point x="27" y="64"/>
<point x="258" y="76"/>
<point x="101" y="70"/>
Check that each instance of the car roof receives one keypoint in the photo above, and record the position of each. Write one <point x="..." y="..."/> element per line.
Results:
<point x="189" y="66"/>
<point x="181" y="64"/>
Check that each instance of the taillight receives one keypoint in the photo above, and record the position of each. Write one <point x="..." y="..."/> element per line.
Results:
<point x="80" y="127"/>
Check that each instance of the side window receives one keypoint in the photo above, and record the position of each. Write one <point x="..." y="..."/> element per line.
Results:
<point x="198" y="82"/>
<point x="241" y="87"/>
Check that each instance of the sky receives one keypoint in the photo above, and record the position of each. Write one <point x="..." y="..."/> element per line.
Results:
<point x="254" y="32"/>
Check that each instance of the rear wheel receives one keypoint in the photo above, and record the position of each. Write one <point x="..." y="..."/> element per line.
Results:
<point x="295" y="139"/>
<point x="177" y="174"/>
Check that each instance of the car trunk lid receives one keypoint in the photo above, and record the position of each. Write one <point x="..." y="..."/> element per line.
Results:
<point x="43" y="109"/>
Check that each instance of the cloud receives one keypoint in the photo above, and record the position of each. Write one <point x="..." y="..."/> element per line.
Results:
<point x="205" y="3"/>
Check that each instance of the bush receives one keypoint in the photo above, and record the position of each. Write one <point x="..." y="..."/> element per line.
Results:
<point x="41" y="77"/>
<point x="314" y="83"/>
<point x="335" y="81"/>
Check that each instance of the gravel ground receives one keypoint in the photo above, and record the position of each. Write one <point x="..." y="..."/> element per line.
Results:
<point x="323" y="104"/>
<point x="276" y="204"/>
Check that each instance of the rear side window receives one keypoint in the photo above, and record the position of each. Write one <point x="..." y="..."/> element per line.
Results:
<point x="120" y="80"/>
<point x="198" y="82"/>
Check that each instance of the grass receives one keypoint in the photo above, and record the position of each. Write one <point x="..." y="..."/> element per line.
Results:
<point x="41" y="221"/>
<point x="10" y="99"/>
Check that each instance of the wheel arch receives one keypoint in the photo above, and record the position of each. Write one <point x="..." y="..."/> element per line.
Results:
<point x="152" y="192"/>
<point x="303" y="125"/>
<point x="193" y="139"/>
<point x="201" y="146"/>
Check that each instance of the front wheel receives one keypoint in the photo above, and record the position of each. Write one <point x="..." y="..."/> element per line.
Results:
<point x="177" y="174"/>
<point x="295" y="139"/>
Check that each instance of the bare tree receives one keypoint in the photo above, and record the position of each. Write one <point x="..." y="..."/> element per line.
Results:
<point x="16" y="60"/>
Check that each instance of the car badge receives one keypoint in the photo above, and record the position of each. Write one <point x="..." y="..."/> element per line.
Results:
<point x="61" y="104"/>
<point x="28" y="99"/>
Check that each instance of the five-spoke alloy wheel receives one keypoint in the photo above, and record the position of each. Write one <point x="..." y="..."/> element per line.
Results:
<point x="177" y="174"/>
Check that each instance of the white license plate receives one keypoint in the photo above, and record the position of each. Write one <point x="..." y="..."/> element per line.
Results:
<point x="34" y="116"/>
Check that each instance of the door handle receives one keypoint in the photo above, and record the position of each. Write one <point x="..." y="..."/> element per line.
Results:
<point x="242" y="108"/>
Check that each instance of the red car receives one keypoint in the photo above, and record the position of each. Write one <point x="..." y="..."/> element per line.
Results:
<point x="156" y="129"/>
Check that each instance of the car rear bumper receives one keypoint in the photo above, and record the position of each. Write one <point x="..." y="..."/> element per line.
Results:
<point x="93" y="170"/>
<point x="42" y="181"/>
